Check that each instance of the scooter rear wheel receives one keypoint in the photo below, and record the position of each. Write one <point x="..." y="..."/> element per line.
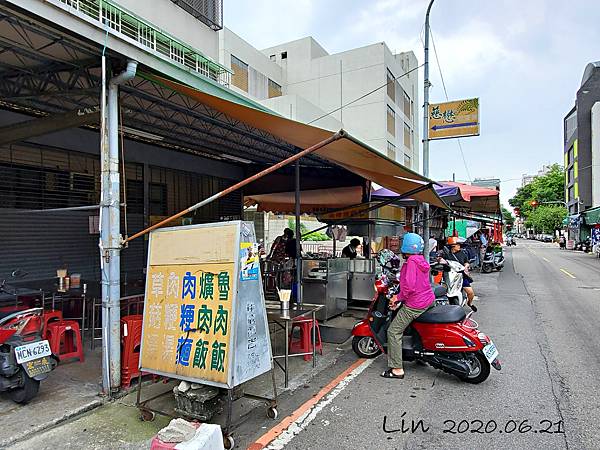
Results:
<point x="27" y="392"/>
<point x="480" y="369"/>
<point x="365" y="347"/>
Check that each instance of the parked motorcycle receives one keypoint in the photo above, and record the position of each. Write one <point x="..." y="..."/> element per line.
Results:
<point x="444" y="337"/>
<point x="452" y="280"/>
<point x="25" y="357"/>
<point x="493" y="259"/>
<point x="510" y="241"/>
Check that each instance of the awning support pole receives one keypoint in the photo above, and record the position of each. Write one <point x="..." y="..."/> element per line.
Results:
<point x="110" y="236"/>
<point x="339" y="135"/>
<point x="298" y="236"/>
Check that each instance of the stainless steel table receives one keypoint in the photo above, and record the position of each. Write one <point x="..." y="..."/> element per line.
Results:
<point x="283" y="319"/>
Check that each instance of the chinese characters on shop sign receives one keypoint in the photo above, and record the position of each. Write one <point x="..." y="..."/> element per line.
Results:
<point x="188" y="317"/>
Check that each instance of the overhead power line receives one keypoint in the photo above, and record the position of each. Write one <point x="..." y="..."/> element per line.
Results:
<point x="366" y="95"/>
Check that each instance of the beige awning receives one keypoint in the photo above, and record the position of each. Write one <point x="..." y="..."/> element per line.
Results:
<point x="349" y="152"/>
<point x="312" y="201"/>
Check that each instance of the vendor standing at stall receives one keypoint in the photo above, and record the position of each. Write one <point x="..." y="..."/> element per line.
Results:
<point x="278" y="249"/>
<point x="351" y="250"/>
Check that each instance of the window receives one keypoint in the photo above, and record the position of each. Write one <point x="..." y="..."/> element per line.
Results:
<point x="158" y="199"/>
<point x="240" y="73"/>
<point x="407" y="140"/>
<point x="391" y="150"/>
<point x="570" y="153"/>
<point x="391" y="85"/>
<point x="283" y="55"/>
<point x="571" y="194"/>
<point x="570" y="176"/>
<point x="407" y="161"/>
<point x="412" y="111"/>
<point x="272" y="58"/>
<point x="391" y="121"/>
<point x="406" y="105"/>
<point x="274" y="89"/>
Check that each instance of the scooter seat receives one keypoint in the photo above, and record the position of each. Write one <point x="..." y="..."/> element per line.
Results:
<point x="442" y="314"/>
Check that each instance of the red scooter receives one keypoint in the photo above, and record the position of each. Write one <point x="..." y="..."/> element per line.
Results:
<point x="25" y="357"/>
<point x="444" y="337"/>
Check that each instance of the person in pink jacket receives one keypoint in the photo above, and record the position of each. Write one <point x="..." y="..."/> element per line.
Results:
<point x="415" y="295"/>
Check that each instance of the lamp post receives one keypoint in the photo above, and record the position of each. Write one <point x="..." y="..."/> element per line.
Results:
<point x="426" y="85"/>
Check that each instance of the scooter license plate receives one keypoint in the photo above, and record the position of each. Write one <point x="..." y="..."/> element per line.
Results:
<point x="38" y="366"/>
<point x="30" y="352"/>
<point x="490" y="351"/>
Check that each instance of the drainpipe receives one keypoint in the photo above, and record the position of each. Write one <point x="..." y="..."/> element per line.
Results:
<point x="110" y="237"/>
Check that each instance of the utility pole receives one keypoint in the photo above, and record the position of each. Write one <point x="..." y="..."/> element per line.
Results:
<point x="426" y="85"/>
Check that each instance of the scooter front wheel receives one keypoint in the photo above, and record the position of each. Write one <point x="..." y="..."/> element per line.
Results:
<point x="365" y="347"/>
<point x="487" y="268"/>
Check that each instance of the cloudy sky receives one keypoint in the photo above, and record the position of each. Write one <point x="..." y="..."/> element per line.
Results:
<point x="523" y="59"/>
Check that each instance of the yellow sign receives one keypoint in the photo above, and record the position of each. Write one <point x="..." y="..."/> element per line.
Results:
<point x="187" y="323"/>
<point x="204" y="311"/>
<point x="454" y="119"/>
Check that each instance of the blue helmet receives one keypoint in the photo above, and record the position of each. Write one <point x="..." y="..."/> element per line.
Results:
<point x="412" y="244"/>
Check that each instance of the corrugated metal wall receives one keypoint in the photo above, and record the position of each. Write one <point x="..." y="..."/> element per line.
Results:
<point x="39" y="243"/>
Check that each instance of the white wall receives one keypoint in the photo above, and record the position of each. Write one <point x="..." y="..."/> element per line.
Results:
<point x="595" y="155"/>
<point x="301" y="110"/>
<point x="231" y="44"/>
<point x="177" y="22"/>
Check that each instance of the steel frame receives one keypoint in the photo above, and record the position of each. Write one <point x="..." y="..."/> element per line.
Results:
<point x="43" y="70"/>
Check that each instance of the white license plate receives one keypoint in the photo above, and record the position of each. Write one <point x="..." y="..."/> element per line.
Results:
<point x="490" y="351"/>
<point x="35" y="350"/>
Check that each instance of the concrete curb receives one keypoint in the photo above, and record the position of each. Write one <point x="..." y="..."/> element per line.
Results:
<point x="48" y="425"/>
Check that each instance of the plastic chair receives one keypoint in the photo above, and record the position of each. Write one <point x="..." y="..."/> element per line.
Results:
<point x="131" y="332"/>
<point x="303" y="344"/>
<point x="49" y="316"/>
<point x="65" y="339"/>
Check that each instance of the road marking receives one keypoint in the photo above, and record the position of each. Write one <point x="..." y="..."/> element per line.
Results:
<point x="545" y="259"/>
<point x="567" y="273"/>
<point x="282" y="433"/>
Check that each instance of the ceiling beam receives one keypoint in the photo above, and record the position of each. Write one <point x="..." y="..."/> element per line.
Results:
<point x="44" y="125"/>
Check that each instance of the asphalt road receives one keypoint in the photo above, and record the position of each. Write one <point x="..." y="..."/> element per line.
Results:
<point x="544" y="321"/>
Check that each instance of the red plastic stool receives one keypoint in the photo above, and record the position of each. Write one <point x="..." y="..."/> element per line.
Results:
<point x="51" y="316"/>
<point x="303" y="344"/>
<point x="65" y="339"/>
<point x="131" y="332"/>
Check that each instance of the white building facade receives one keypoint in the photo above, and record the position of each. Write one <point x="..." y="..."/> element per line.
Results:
<point x="302" y="81"/>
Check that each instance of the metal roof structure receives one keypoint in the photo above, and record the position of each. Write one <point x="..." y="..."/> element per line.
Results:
<point x="47" y="72"/>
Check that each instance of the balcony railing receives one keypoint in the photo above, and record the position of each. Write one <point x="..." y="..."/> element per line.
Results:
<point x="149" y="37"/>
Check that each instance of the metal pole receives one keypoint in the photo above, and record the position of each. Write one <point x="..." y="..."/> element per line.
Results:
<point x="104" y="231"/>
<point x="426" y="85"/>
<point x="298" y="237"/>
<point x="111" y="236"/>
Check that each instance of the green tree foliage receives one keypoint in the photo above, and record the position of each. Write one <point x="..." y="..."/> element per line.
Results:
<point x="316" y="236"/>
<point x="507" y="216"/>
<point x="546" y="218"/>
<point x="545" y="188"/>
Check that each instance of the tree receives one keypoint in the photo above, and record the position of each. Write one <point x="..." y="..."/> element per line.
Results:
<point x="546" y="218"/>
<point x="507" y="217"/>
<point x="545" y="188"/>
<point x="316" y="236"/>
